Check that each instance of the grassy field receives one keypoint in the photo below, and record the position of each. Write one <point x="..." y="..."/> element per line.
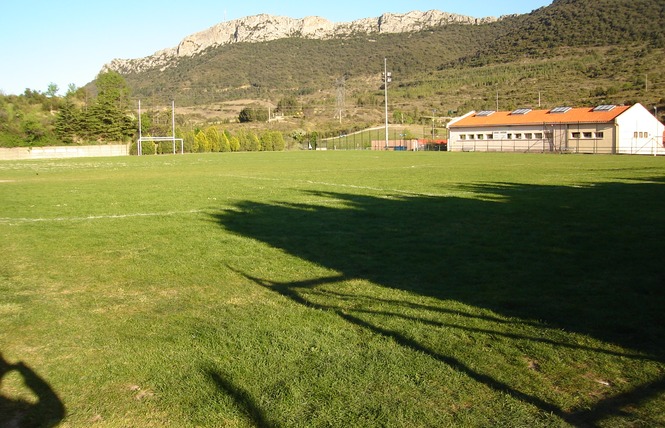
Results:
<point x="333" y="289"/>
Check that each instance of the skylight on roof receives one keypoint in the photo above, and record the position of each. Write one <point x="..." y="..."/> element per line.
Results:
<point x="561" y="109"/>
<point x="521" y="111"/>
<point x="485" y="113"/>
<point x="604" y="107"/>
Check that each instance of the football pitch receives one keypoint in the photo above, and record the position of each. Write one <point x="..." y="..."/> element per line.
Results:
<point x="303" y="289"/>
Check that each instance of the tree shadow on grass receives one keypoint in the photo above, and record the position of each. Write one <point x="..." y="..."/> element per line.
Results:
<point x="304" y="292"/>
<point x="244" y="400"/>
<point x="583" y="259"/>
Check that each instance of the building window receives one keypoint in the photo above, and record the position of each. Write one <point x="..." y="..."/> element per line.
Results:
<point x="479" y="136"/>
<point x="518" y="136"/>
<point x="539" y="135"/>
<point x="600" y="135"/>
<point x="528" y="135"/>
<point x="490" y="136"/>
<point x="471" y="136"/>
<point x="576" y="135"/>
<point x="462" y="136"/>
<point x="509" y="136"/>
<point x="588" y="135"/>
<point x="635" y="134"/>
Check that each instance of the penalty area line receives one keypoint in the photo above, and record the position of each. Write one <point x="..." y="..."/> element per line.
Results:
<point x="96" y="217"/>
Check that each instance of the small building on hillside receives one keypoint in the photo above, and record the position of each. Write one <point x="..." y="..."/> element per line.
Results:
<point x="433" y="145"/>
<point x="412" y="144"/>
<point x="602" y="129"/>
<point x="396" y="145"/>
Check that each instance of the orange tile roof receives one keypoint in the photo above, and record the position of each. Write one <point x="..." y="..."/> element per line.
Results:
<point x="575" y="115"/>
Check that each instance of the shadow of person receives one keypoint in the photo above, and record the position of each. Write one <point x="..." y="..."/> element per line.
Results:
<point x="16" y="412"/>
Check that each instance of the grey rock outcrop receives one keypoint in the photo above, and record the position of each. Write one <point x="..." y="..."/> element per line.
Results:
<point x="263" y="28"/>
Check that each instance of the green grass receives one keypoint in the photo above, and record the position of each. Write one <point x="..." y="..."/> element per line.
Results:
<point x="333" y="289"/>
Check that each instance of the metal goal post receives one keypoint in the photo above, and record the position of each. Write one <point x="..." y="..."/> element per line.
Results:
<point x="139" y="148"/>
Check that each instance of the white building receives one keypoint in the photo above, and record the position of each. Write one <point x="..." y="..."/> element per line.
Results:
<point x="603" y="129"/>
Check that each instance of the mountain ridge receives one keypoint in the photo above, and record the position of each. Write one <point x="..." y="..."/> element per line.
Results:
<point x="603" y="58"/>
<point x="264" y="27"/>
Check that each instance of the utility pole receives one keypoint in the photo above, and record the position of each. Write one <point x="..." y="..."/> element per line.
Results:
<point x="433" y="111"/>
<point x="341" y="92"/>
<point x="656" y="136"/>
<point x="387" y="78"/>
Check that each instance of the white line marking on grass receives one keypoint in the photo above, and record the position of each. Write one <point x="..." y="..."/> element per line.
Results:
<point x="349" y="186"/>
<point x="95" y="217"/>
<point x="376" y="189"/>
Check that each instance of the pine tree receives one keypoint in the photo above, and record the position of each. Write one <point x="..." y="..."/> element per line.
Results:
<point x="67" y="122"/>
<point x="108" y="119"/>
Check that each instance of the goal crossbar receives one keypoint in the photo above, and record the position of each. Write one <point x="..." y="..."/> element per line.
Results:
<point x="160" y="139"/>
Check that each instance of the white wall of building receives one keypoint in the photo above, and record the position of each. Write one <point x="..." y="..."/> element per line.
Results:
<point x="640" y="132"/>
<point x="500" y="139"/>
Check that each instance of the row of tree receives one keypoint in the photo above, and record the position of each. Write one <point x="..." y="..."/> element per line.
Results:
<point x="211" y="139"/>
<point x="39" y="119"/>
<point x="81" y="117"/>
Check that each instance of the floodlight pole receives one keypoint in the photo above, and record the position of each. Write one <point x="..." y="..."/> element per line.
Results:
<point x="386" y="79"/>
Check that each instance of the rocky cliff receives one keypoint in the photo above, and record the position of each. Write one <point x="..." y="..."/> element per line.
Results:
<point x="263" y="28"/>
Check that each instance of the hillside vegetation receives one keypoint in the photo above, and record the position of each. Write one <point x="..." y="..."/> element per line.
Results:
<point x="574" y="23"/>
<point x="573" y="52"/>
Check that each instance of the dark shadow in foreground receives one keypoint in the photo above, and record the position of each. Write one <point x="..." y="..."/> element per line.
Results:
<point x="299" y="292"/>
<point x="587" y="260"/>
<point x="582" y="259"/>
<point x="243" y="399"/>
<point x="47" y="411"/>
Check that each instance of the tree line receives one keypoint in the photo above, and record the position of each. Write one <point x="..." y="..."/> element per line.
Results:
<point x="106" y="115"/>
<point x="212" y="139"/>
<point x="41" y="119"/>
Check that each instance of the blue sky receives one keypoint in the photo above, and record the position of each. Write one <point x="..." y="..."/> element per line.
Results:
<point x="68" y="41"/>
